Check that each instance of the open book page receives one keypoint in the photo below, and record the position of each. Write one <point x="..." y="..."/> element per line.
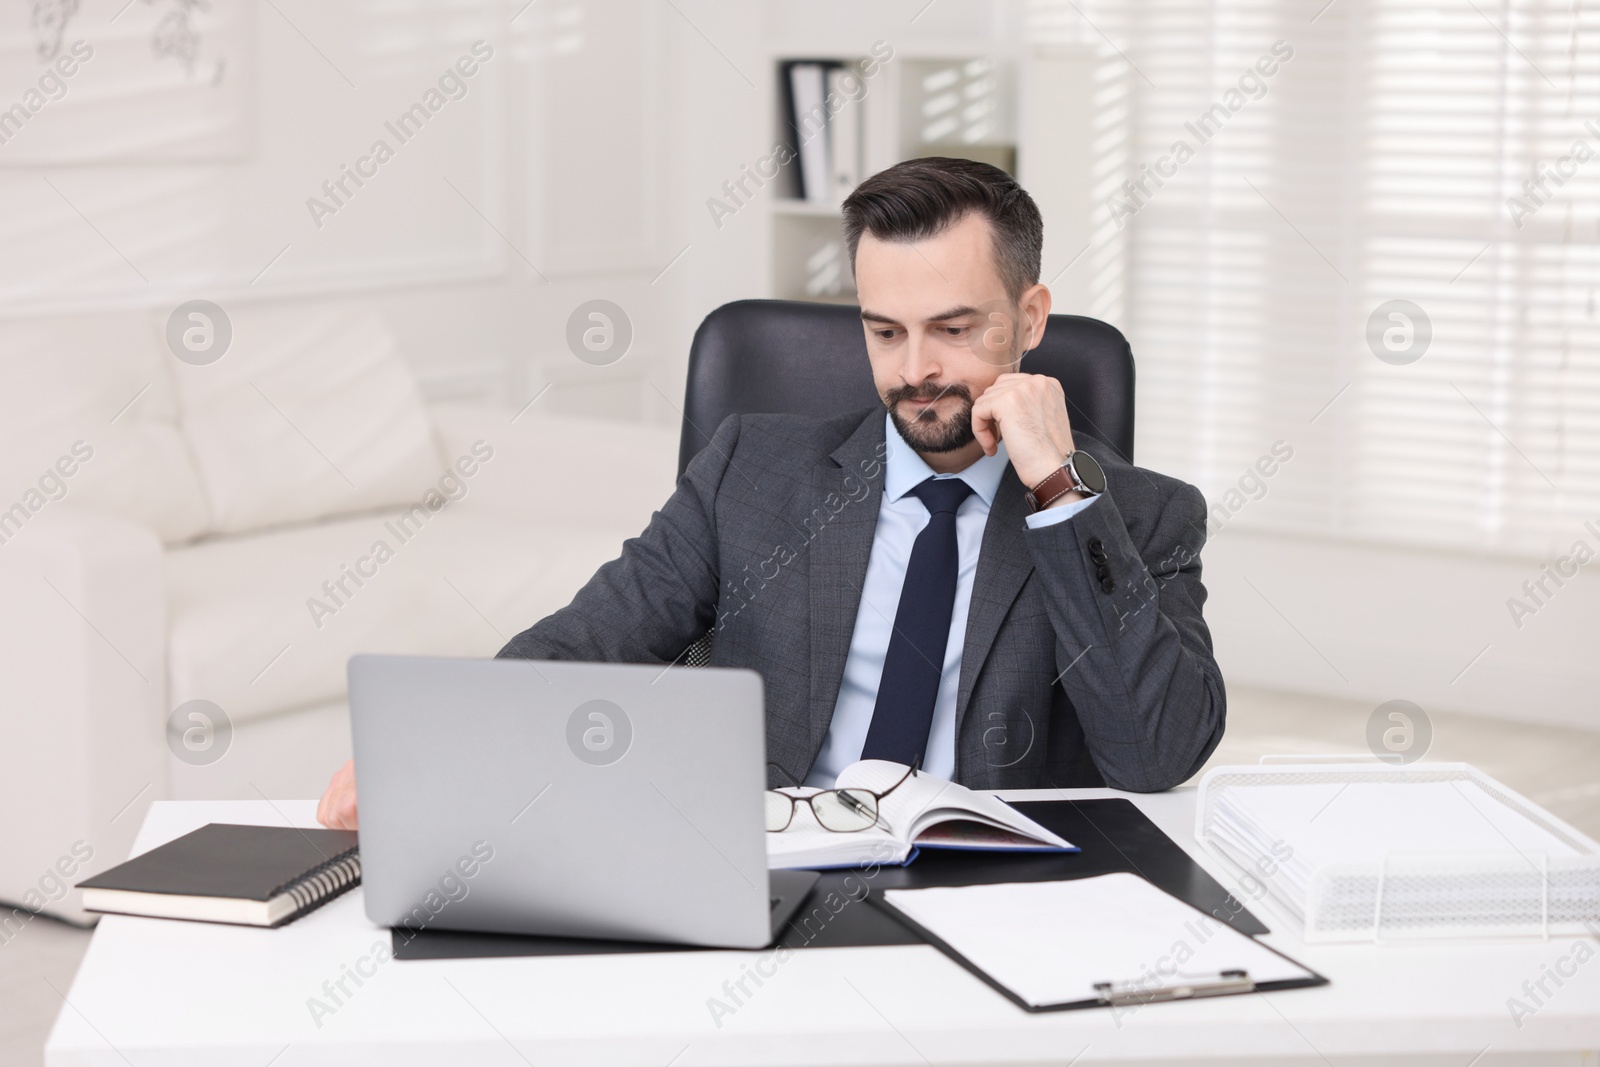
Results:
<point x="806" y="843"/>
<point x="921" y="812"/>
<point x="930" y="812"/>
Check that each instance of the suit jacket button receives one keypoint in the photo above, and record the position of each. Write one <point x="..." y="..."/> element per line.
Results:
<point x="1096" y="545"/>
<point x="1108" y="584"/>
<point x="1103" y="572"/>
<point x="1098" y="557"/>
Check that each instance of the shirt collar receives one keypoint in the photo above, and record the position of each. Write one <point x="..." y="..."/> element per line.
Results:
<point x="904" y="470"/>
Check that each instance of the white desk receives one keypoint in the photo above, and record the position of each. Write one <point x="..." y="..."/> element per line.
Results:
<point x="153" y="992"/>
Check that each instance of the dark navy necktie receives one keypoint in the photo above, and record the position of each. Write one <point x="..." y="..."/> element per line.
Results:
<point x="903" y="715"/>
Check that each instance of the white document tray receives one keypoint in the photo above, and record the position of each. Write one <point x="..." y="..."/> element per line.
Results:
<point x="1406" y="895"/>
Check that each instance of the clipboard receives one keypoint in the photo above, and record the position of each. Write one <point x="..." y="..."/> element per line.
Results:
<point x="1023" y="958"/>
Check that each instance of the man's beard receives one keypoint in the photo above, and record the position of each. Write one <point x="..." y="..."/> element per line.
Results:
<point x="927" y="432"/>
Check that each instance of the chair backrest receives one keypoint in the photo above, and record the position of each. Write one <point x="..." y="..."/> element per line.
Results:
<point x="795" y="357"/>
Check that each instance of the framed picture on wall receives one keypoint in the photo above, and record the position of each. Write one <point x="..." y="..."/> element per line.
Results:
<point x="126" y="81"/>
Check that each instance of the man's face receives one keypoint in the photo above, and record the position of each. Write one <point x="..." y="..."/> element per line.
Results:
<point x="940" y="329"/>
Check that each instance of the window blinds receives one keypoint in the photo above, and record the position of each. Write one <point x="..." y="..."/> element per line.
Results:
<point x="1366" y="229"/>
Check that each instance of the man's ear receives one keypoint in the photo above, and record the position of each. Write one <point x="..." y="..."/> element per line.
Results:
<point x="1035" y="306"/>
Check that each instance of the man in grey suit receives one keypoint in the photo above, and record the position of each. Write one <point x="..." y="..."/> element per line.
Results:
<point x="957" y="577"/>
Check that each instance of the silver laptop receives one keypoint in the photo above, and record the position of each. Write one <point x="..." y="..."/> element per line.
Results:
<point x="569" y="799"/>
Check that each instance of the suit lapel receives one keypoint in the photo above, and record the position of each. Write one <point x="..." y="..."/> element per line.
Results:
<point x="1004" y="563"/>
<point x="839" y="553"/>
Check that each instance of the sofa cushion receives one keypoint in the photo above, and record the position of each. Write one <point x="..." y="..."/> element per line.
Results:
<point x="255" y="629"/>
<point x="627" y="469"/>
<point x="100" y="382"/>
<point x="311" y="412"/>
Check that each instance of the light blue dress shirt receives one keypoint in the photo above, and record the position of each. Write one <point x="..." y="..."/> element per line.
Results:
<point x="901" y="517"/>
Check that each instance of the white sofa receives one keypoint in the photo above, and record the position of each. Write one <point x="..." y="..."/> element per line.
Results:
<point x="216" y="536"/>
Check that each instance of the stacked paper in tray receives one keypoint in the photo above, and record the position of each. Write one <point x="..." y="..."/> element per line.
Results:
<point x="1433" y="850"/>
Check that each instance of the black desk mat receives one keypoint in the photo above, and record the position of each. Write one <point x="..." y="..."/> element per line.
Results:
<point x="1113" y="834"/>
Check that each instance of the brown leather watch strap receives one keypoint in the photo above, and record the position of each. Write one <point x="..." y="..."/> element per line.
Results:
<point x="1058" y="484"/>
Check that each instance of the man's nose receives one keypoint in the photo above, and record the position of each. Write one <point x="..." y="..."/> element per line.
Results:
<point x="921" y="363"/>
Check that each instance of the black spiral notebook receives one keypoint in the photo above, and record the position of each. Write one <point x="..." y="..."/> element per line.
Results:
<point x="226" y="873"/>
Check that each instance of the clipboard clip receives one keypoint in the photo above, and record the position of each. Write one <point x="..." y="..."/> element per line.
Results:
<point x="1136" y="992"/>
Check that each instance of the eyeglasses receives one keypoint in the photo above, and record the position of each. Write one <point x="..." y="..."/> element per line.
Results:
<point x="840" y="810"/>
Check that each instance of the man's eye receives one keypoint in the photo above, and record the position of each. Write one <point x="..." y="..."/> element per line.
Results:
<point x="956" y="331"/>
<point x="885" y="335"/>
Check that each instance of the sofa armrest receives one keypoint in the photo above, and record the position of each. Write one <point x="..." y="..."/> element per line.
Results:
<point x="559" y="468"/>
<point x="83" y="688"/>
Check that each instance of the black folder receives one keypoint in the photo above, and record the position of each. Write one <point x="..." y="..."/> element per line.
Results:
<point x="1112" y="835"/>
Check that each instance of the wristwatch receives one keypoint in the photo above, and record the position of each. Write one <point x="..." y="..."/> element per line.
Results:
<point x="1079" y="472"/>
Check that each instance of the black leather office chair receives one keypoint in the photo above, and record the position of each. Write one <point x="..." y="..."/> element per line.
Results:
<point x="793" y="357"/>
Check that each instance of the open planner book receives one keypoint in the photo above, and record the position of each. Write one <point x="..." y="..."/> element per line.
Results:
<point x="921" y="812"/>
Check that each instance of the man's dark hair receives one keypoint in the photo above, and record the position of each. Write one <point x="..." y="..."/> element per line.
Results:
<point x="921" y="198"/>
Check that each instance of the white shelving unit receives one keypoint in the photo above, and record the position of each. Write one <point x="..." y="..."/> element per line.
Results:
<point x="946" y="104"/>
<point x="1025" y="110"/>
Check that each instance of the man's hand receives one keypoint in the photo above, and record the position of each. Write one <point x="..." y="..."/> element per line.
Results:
<point x="1029" y="411"/>
<point x="338" y="807"/>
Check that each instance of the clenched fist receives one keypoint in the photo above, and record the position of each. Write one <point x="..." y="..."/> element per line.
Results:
<point x="1029" y="412"/>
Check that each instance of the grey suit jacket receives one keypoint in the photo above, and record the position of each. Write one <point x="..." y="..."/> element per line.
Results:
<point x="1067" y="678"/>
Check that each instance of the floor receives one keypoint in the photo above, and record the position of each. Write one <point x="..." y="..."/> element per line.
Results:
<point x="1558" y="768"/>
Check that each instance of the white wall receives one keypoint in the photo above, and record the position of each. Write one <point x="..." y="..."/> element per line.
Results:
<point x="1380" y="623"/>
<point x="128" y="224"/>
<point x="541" y="188"/>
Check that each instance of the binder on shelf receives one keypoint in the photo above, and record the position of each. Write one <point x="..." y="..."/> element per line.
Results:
<point x="805" y="85"/>
<point x="844" y="135"/>
<point x="1112" y="940"/>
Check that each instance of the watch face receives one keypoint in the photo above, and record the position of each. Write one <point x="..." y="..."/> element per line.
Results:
<point x="1089" y="472"/>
